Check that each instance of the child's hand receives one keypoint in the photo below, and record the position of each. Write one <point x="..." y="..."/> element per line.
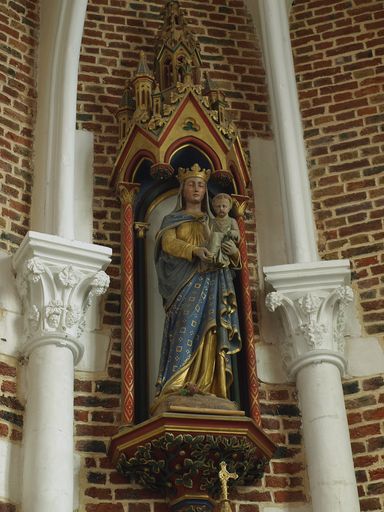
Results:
<point x="229" y="248"/>
<point x="235" y="235"/>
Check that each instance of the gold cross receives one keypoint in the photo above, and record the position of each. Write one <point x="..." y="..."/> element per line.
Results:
<point x="224" y="476"/>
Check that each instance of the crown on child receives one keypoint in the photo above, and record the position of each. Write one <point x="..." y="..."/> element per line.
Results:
<point x="194" y="172"/>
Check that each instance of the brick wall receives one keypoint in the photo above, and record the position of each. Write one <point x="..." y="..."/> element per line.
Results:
<point x="285" y="477"/>
<point x="338" y="52"/>
<point x="104" y="490"/>
<point x="230" y="51"/>
<point x="18" y="39"/>
<point x="11" y="413"/>
<point x="11" y="410"/>
<point x="364" y="400"/>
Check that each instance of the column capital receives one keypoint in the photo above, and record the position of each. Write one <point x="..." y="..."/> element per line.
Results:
<point x="141" y="229"/>
<point x="240" y="203"/>
<point x="57" y="280"/>
<point x="312" y="299"/>
<point x="127" y="192"/>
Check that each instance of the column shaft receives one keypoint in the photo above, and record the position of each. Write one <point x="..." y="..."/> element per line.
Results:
<point x="248" y="342"/>
<point x="312" y="299"/>
<point x="312" y="304"/>
<point x="127" y="193"/>
<point x="57" y="281"/>
<point x="326" y="437"/>
<point x="48" y="432"/>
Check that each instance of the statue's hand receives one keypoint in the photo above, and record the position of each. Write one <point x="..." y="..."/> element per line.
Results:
<point x="229" y="248"/>
<point x="203" y="254"/>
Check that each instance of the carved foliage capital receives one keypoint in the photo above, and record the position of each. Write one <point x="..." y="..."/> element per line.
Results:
<point x="240" y="205"/>
<point x="313" y="321"/>
<point x="127" y="192"/>
<point x="56" y="297"/>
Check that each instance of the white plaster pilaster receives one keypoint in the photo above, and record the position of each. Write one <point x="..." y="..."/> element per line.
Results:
<point x="300" y="233"/>
<point x="311" y="296"/>
<point x="61" y="29"/>
<point x="57" y="280"/>
<point x="312" y="299"/>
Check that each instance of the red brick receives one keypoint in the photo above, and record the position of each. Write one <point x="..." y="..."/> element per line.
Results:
<point x="362" y="184"/>
<point x="97" y="431"/>
<point x="365" y="461"/>
<point x="354" y="417"/>
<point x="376" y="474"/>
<point x="366" y="262"/>
<point x="7" y="507"/>
<point x="256" y="495"/>
<point x="281" y="394"/>
<point x="374" y="382"/>
<point x="6" y="369"/>
<point x="375" y="225"/>
<point x="163" y="507"/>
<point x="16" y="435"/>
<point x="116" y="478"/>
<point x="105" y="507"/>
<point x="3" y="430"/>
<point x="81" y="385"/>
<point x="348" y="105"/>
<point x="276" y="481"/>
<point x="99" y="493"/>
<point x="289" y="496"/>
<point x="103" y="416"/>
<point x="139" y="507"/>
<point x="248" y="508"/>
<point x="270" y="424"/>
<point x="375" y="443"/>
<point x="367" y="504"/>
<point x="287" y="467"/>
<point x="8" y="386"/>
<point x="357" y="164"/>
<point x="81" y="415"/>
<point x="365" y="431"/>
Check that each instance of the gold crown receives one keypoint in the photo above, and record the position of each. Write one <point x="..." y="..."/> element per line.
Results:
<point x="194" y="172"/>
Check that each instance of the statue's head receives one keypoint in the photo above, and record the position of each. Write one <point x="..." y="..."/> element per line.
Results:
<point x="193" y="185"/>
<point x="193" y="190"/>
<point x="222" y="204"/>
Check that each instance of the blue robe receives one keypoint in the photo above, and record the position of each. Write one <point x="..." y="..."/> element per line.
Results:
<point x="198" y="304"/>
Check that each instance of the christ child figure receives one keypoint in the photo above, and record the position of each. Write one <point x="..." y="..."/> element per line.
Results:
<point x="224" y="230"/>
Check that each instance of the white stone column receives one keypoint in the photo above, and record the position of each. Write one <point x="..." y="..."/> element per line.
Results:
<point x="295" y="193"/>
<point x="57" y="280"/>
<point x="310" y="295"/>
<point x="312" y="299"/>
<point x="61" y="29"/>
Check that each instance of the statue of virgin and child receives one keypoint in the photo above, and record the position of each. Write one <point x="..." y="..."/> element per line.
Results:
<point x="195" y="256"/>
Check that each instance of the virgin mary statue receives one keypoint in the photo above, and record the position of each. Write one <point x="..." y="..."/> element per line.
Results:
<point x="201" y="328"/>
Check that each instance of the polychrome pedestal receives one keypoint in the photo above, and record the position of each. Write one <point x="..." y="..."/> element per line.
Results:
<point x="179" y="454"/>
